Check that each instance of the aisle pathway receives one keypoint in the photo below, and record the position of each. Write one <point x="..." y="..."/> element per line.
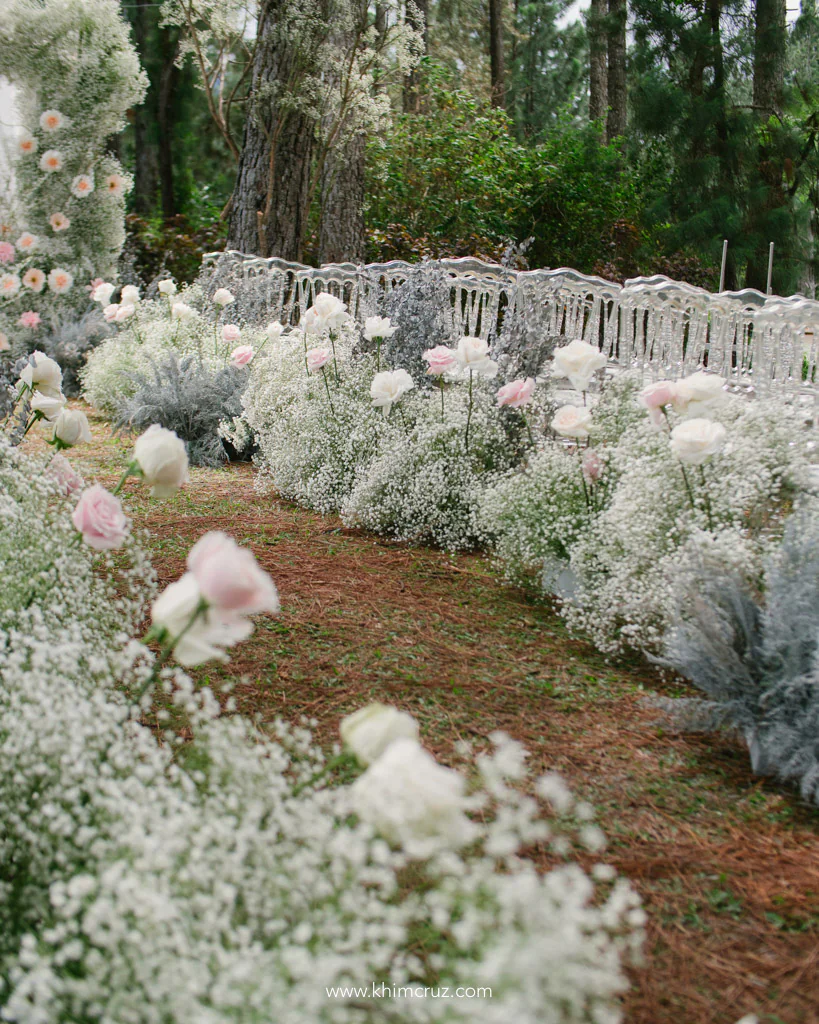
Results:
<point x="728" y="864"/>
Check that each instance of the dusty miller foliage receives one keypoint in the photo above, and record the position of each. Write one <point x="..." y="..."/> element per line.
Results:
<point x="522" y="350"/>
<point x="421" y="308"/>
<point x="186" y="396"/>
<point x="758" y="662"/>
<point x="70" y="341"/>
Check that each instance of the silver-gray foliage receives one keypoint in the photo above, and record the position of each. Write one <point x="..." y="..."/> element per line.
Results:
<point x="186" y="396"/>
<point x="758" y="662"/>
<point x="421" y="309"/>
<point x="69" y="342"/>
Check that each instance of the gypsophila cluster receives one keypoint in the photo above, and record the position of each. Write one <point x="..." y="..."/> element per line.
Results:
<point x="424" y="486"/>
<point x="221" y="878"/>
<point x="76" y="74"/>
<point x="317" y="429"/>
<point x="667" y="521"/>
<point x="150" y="332"/>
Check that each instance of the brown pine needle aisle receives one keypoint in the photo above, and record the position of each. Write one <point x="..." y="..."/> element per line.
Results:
<point x="728" y="864"/>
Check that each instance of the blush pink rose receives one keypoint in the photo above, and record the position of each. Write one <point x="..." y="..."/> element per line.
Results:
<point x="64" y="475"/>
<point x="317" y="357"/>
<point x="592" y="466"/>
<point x="99" y="517"/>
<point x="7" y="252"/>
<point x="30" y="319"/>
<point x="658" y="395"/>
<point x="242" y="355"/>
<point x="229" y="576"/>
<point x="516" y="393"/>
<point x="231" y="333"/>
<point x="440" y="359"/>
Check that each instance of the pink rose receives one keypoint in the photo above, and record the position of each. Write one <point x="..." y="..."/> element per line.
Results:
<point x="658" y="395"/>
<point x="229" y="576"/>
<point x="110" y="312"/>
<point x="517" y="393"/>
<point x="30" y="319"/>
<point x="64" y="475"/>
<point x="593" y="466"/>
<point x="317" y="357"/>
<point x="231" y="333"/>
<point x="441" y="360"/>
<point x="99" y="517"/>
<point x="242" y="355"/>
<point x="7" y="252"/>
<point x="94" y="284"/>
<point x="124" y="312"/>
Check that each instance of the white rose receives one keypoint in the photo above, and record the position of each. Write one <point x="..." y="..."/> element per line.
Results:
<point x="179" y="311"/>
<point x="49" y="406"/>
<point x="161" y="456"/>
<point x="167" y="287"/>
<point x="222" y="297"/>
<point x="572" y="421"/>
<point x="699" y="394"/>
<point x="378" y="327"/>
<point x="412" y="800"/>
<point x="203" y="638"/>
<point x="130" y="295"/>
<point x="103" y="292"/>
<point x="71" y="427"/>
<point x="274" y="331"/>
<point x="694" y="441"/>
<point x="311" y="322"/>
<point x="367" y="733"/>
<point x="579" y="362"/>
<point x="42" y="373"/>
<point x="328" y="307"/>
<point x="388" y="387"/>
<point x="110" y="312"/>
<point x="473" y="354"/>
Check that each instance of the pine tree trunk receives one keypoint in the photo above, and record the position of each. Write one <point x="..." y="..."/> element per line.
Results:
<point x="616" y="79"/>
<point x="770" y="36"/>
<point x="145" y="169"/>
<point x="270" y="201"/>
<point x="496" y="55"/>
<point x="598" y="63"/>
<point x="166" y="120"/>
<point x="770" y="40"/>
<point x="342" y="236"/>
<point x="417" y="17"/>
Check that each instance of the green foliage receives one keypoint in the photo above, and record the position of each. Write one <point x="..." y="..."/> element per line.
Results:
<point x="172" y="248"/>
<point x="457" y="171"/>
<point x="547" y="66"/>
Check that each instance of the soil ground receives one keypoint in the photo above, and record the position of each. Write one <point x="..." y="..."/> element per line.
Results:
<point x="728" y="864"/>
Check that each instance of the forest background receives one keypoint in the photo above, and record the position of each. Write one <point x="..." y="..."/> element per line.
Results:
<point x="629" y="138"/>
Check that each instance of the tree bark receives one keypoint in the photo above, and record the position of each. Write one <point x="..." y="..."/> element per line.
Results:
<point x="770" y="37"/>
<point x="342" y="234"/>
<point x="770" y="42"/>
<point x="417" y="17"/>
<point x="616" y="79"/>
<point x="496" y="55"/>
<point x="145" y="164"/>
<point x="598" y="63"/>
<point x="166" y="119"/>
<point x="270" y="202"/>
